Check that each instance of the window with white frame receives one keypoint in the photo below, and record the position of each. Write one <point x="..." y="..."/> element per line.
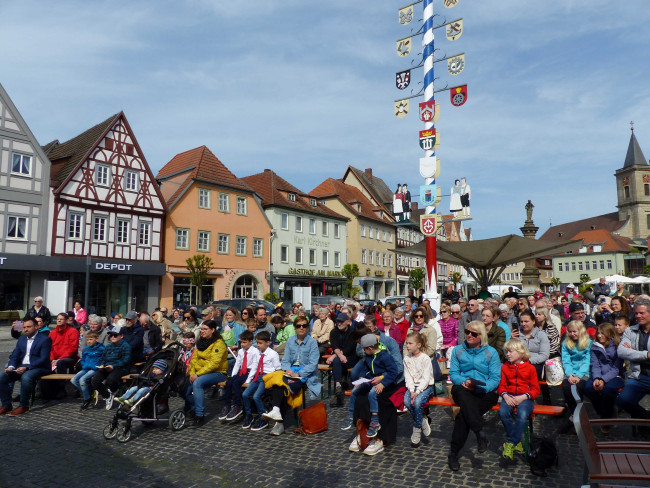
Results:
<point x="378" y="258"/>
<point x="182" y="238"/>
<point x="312" y="226"/>
<point x="131" y="181"/>
<point x="240" y="248"/>
<point x="16" y="227"/>
<point x="390" y="260"/>
<point x="363" y="230"/>
<point x="258" y="247"/>
<point x="299" y="255"/>
<point x="390" y="236"/>
<point x="337" y="259"/>
<point x="384" y="257"/>
<point x="284" y="254"/>
<point x="326" y="258"/>
<point x="284" y="221"/>
<point x="326" y="228"/>
<point x="371" y="232"/>
<point x="312" y="257"/>
<point x="224" y="202"/>
<point x="372" y="256"/>
<point x="292" y="197"/>
<point x="21" y="164"/>
<point x="242" y="206"/>
<point x="102" y="175"/>
<point x="144" y="234"/>
<point x="312" y="202"/>
<point x="364" y="256"/>
<point x="385" y="236"/>
<point x="609" y="264"/>
<point x="378" y="233"/>
<point x="298" y="223"/>
<point x="587" y="265"/>
<point x="223" y="244"/>
<point x="204" y="198"/>
<point x="337" y="231"/>
<point x="203" y="241"/>
<point x="122" y="231"/>
<point x="99" y="229"/>
<point x="559" y="266"/>
<point x="75" y="226"/>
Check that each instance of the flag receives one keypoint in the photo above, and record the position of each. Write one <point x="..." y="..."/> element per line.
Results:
<point x="404" y="46"/>
<point x="427" y="111"/>
<point x="428" y="139"/>
<point x="401" y="108"/>
<point x="405" y="15"/>
<point x="456" y="64"/>
<point x="403" y="79"/>
<point x="450" y="3"/>
<point x="454" y="29"/>
<point x="458" y="95"/>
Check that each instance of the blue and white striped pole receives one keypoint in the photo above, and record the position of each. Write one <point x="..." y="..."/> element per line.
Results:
<point x="431" y="290"/>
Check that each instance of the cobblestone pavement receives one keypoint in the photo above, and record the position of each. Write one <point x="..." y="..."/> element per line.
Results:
<point x="67" y="449"/>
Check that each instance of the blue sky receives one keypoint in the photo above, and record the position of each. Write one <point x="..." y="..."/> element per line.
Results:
<point x="307" y="88"/>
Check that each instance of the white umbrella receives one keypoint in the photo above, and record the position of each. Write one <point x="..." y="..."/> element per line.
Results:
<point x="612" y="279"/>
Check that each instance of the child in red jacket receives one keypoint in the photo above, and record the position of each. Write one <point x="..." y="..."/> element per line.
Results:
<point x="518" y="388"/>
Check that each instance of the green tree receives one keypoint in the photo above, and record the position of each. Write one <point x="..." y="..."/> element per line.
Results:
<point x="199" y="266"/>
<point x="269" y="298"/>
<point x="416" y="278"/>
<point x="455" y="278"/>
<point x="556" y="282"/>
<point x="350" y="271"/>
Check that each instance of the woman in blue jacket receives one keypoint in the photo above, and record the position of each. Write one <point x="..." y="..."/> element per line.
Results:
<point x="576" y="356"/>
<point x="606" y="372"/>
<point x="475" y="372"/>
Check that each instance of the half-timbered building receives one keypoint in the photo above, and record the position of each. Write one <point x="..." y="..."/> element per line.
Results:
<point x="108" y="214"/>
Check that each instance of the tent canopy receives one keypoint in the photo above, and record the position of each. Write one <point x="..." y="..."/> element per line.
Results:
<point x="613" y="279"/>
<point x="485" y="259"/>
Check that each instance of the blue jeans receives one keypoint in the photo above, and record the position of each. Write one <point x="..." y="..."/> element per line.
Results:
<point x="81" y="381"/>
<point x="27" y="381"/>
<point x="364" y="389"/>
<point x="234" y="390"/>
<point x="605" y="399"/>
<point x="417" y="409"/>
<point x="255" y="389"/>
<point x="515" y="426"/>
<point x="136" y="393"/>
<point x="632" y="394"/>
<point x="194" y="395"/>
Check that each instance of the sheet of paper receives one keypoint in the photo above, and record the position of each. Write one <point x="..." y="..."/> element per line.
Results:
<point x="361" y="381"/>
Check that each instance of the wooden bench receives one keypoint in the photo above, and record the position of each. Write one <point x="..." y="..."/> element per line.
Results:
<point x="621" y="463"/>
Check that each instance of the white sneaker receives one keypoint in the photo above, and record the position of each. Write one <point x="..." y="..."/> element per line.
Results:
<point x="426" y="428"/>
<point x="109" y="401"/>
<point x="354" y="447"/>
<point x="274" y="414"/>
<point x="278" y="429"/>
<point x="375" y="447"/>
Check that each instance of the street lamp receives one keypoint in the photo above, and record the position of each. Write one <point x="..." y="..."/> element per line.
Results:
<point x="87" y="287"/>
<point x="273" y="236"/>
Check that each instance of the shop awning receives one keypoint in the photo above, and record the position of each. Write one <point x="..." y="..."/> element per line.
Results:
<point x="485" y="259"/>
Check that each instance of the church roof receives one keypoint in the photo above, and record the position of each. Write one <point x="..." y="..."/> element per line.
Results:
<point x="634" y="154"/>
<point x="608" y="222"/>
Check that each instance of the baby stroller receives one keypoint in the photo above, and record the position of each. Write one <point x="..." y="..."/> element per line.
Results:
<point x="154" y="406"/>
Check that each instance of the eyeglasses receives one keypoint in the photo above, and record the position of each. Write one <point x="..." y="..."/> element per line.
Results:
<point x="473" y="334"/>
<point x="457" y="311"/>
<point x="418" y="316"/>
<point x="301" y="326"/>
<point x="38" y="301"/>
<point x="444" y="311"/>
<point x="187" y="317"/>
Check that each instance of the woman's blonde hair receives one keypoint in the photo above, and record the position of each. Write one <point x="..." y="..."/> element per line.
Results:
<point x="583" y="337"/>
<point x="479" y="327"/>
<point x="419" y="338"/>
<point x="519" y="347"/>
<point x="543" y="311"/>
<point x="608" y="330"/>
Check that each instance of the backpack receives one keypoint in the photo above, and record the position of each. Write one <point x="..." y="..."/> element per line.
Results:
<point x="542" y="455"/>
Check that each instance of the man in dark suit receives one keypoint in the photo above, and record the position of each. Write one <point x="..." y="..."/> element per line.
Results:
<point x="28" y="362"/>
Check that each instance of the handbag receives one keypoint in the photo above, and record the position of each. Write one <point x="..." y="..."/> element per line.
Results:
<point x="362" y="434"/>
<point x="553" y="372"/>
<point x="312" y="420"/>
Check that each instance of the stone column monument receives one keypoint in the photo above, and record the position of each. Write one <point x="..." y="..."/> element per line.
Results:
<point x="530" y="275"/>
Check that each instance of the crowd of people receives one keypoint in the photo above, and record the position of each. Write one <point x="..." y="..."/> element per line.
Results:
<point x="393" y="358"/>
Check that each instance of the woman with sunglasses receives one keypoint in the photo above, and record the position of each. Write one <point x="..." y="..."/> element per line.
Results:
<point x="189" y="323"/>
<point x="420" y="323"/>
<point x="449" y="328"/>
<point x="475" y="373"/>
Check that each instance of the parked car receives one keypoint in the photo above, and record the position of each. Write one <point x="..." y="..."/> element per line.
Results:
<point x="393" y="299"/>
<point x="327" y="299"/>
<point x="241" y="303"/>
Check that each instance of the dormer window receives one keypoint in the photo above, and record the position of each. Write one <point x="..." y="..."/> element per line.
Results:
<point x="291" y="197"/>
<point x="322" y="202"/>
<point x="312" y="202"/>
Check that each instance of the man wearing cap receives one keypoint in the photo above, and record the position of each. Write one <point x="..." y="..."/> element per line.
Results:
<point x="29" y="361"/>
<point x="577" y="312"/>
<point x="113" y="364"/>
<point x="344" y="356"/>
<point x="133" y="335"/>
<point x="602" y="289"/>
<point x="569" y="294"/>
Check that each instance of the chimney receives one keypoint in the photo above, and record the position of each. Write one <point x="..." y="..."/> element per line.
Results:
<point x="368" y="171"/>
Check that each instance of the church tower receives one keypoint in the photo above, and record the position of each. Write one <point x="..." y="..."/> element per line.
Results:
<point x="633" y="191"/>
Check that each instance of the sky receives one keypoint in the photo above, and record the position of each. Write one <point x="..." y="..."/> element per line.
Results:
<point x="307" y="88"/>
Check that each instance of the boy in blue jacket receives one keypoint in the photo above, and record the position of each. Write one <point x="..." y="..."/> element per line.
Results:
<point x="90" y="357"/>
<point x="381" y="371"/>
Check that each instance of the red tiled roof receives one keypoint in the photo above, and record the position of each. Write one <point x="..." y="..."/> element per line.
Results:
<point x="271" y="187"/>
<point x="202" y="165"/>
<point x="608" y="222"/>
<point x="348" y="194"/>
<point x="609" y="241"/>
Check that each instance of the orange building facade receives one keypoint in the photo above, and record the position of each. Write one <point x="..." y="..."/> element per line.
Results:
<point x="212" y="212"/>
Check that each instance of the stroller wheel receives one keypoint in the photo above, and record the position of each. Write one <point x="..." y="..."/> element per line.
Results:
<point x="110" y="431"/>
<point x="177" y="420"/>
<point x="124" y="434"/>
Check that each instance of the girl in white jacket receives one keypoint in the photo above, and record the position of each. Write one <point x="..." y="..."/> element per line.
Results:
<point x="418" y="374"/>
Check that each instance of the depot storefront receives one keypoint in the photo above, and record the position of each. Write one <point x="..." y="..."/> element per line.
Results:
<point x="115" y="286"/>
